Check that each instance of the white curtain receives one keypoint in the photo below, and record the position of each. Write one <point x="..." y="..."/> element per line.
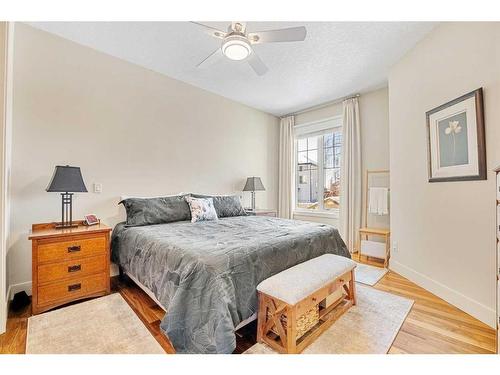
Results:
<point x="286" y="168"/>
<point x="350" y="180"/>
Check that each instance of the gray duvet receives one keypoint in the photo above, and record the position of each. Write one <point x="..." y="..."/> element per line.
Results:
<point x="205" y="273"/>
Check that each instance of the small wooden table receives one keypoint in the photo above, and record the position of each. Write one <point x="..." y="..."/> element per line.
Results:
<point x="262" y="212"/>
<point x="383" y="233"/>
<point x="68" y="264"/>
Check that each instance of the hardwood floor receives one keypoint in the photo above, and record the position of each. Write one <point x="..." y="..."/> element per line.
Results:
<point x="432" y="326"/>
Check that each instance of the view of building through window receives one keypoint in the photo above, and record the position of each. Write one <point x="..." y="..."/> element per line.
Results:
<point x="318" y="171"/>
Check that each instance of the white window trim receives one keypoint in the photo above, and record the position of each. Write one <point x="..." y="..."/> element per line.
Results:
<point x="309" y="129"/>
<point x="332" y="214"/>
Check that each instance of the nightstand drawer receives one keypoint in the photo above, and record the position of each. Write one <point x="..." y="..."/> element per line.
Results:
<point x="69" y="250"/>
<point x="72" y="289"/>
<point x="71" y="268"/>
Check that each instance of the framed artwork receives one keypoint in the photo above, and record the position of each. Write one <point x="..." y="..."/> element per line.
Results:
<point x="456" y="139"/>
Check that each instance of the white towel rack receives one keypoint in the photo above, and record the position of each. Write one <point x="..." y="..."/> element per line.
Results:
<point x="365" y="246"/>
<point x="375" y="178"/>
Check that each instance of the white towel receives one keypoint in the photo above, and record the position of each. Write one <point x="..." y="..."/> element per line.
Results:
<point x="378" y="203"/>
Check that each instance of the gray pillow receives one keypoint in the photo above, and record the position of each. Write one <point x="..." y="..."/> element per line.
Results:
<point x="225" y="205"/>
<point x="158" y="210"/>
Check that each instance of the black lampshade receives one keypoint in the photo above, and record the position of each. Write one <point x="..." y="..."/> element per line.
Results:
<point x="254" y="184"/>
<point x="67" y="179"/>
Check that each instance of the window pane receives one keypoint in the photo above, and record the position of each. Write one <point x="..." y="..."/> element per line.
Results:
<point x="302" y="159"/>
<point x="336" y="159"/>
<point x="307" y="189"/>
<point x="302" y="144"/>
<point x="331" y="192"/>
<point x="312" y="158"/>
<point x="312" y="143"/>
<point x="328" y="140"/>
<point x="328" y="160"/>
<point x="337" y="138"/>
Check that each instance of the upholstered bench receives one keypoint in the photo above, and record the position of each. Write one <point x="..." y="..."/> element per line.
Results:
<point x="295" y="294"/>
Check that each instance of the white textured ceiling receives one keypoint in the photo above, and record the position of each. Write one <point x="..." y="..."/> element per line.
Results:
<point x="335" y="60"/>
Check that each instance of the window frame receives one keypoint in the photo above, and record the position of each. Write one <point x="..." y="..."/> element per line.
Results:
<point x="311" y="129"/>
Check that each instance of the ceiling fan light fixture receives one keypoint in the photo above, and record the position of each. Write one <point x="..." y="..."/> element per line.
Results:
<point x="236" y="48"/>
<point x="237" y="43"/>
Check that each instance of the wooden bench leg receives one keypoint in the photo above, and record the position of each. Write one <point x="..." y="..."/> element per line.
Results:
<point x="352" y="288"/>
<point x="269" y="317"/>
<point x="261" y="317"/>
<point x="291" y="330"/>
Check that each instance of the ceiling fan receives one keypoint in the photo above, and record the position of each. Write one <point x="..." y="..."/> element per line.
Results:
<point x="237" y="43"/>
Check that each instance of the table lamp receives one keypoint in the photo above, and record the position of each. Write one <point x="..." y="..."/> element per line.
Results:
<point x="254" y="184"/>
<point x="67" y="180"/>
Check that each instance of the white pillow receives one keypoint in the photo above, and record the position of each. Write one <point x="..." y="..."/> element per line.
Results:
<point x="202" y="209"/>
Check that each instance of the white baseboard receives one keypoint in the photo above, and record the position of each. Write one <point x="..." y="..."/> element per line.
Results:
<point x="463" y="302"/>
<point x="15" y="288"/>
<point x="3" y="315"/>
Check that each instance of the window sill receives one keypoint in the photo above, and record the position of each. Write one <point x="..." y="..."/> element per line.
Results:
<point x="329" y="215"/>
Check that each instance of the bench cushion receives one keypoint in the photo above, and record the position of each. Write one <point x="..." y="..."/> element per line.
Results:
<point x="302" y="280"/>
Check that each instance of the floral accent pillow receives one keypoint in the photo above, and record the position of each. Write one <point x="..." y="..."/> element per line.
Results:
<point x="202" y="209"/>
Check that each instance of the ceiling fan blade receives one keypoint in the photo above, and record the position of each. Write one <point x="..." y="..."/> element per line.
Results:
<point x="292" y="34"/>
<point x="214" y="56"/>
<point x="212" y="31"/>
<point x="257" y="64"/>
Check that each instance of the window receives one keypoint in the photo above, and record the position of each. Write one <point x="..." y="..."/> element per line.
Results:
<point x="318" y="152"/>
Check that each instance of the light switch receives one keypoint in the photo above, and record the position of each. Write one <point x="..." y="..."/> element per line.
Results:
<point x="97" y="188"/>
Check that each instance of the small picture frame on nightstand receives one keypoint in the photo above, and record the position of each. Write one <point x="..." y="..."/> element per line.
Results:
<point x="91" y="219"/>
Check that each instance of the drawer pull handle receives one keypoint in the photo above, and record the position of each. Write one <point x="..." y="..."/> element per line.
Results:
<point x="72" y="288"/>
<point x="73" y="249"/>
<point x="75" y="268"/>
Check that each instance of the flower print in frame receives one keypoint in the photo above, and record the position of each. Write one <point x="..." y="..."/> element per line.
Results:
<point x="456" y="139"/>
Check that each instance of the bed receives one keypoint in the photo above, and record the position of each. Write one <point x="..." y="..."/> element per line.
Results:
<point x="205" y="274"/>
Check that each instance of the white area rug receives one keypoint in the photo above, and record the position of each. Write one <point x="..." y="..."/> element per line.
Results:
<point x="369" y="275"/>
<point x="370" y="327"/>
<point x="105" y="325"/>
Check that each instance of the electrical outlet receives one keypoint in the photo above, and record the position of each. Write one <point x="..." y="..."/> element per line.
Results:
<point x="395" y="246"/>
<point x="97" y="188"/>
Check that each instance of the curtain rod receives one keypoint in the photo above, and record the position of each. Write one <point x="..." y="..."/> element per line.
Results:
<point x="319" y="106"/>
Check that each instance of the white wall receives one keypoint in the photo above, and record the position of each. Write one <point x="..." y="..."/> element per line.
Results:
<point x="445" y="231"/>
<point x="3" y="260"/>
<point x="374" y="118"/>
<point x="135" y="131"/>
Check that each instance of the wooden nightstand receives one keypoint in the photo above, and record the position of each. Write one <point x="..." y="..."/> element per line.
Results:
<point x="263" y="212"/>
<point x="68" y="264"/>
